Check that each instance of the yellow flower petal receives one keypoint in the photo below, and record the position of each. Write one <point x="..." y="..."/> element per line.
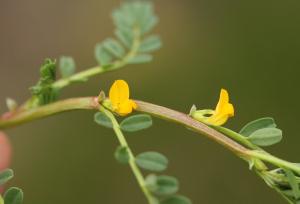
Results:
<point x="119" y="98"/>
<point x="125" y="108"/>
<point x="223" y="112"/>
<point x="119" y="92"/>
<point x="223" y="100"/>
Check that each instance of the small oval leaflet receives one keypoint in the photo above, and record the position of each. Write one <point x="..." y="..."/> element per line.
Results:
<point x="136" y="123"/>
<point x="101" y="119"/>
<point x="266" y="136"/>
<point x="152" y="161"/>
<point x="122" y="155"/>
<point x="67" y="66"/>
<point x="141" y="58"/>
<point x="6" y="175"/>
<point x="261" y="123"/>
<point x="125" y="36"/>
<point x="103" y="57"/>
<point x="13" y="196"/>
<point x="162" y="185"/>
<point x="114" y="47"/>
<point x="150" y="44"/>
<point x="177" y="199"/>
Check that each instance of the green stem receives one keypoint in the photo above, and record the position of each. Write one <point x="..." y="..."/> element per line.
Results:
<point x="237" y="137"/>
<point x="20" y="116"/>
<point x="136" y="171"/>
<point x="88" y="73"/>
<point x="9" y="120"/>
<point x="23" y="116"/>
<point x="274" y="160"/>
<point x="259" y="153"/>
<point x="192" y="124"/>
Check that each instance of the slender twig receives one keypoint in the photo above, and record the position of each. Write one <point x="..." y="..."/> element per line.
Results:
<point x="87" y="73"/>
<point x="135" y="169"/>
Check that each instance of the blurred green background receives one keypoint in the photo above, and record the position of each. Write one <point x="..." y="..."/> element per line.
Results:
<point x="250" y="48"/>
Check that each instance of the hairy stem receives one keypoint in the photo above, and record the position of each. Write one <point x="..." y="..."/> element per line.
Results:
<point x="135" y="169"/>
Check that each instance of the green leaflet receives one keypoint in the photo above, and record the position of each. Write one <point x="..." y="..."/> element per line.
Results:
<point x="152" y="161"/>
<point x="262" y="132"/>
<point x="136" y="123"/>
<point x="101" y="119"/>
<point x="162" y="185"/>
<point x="125" y="36"/>
<point x="103" y="57"/>
<point x="133" y="20"/>
<point x="141" y="58"/>
<point x="251" y="127"/>
<point x="266" y="136"/>
<point x="114" y="47"/>
<point x="150" y="44"/>
<point x="13" y="196"/>
<point x="122" y="155"/>
<point x="5" y="176"/>
<point x="67" y="66"/>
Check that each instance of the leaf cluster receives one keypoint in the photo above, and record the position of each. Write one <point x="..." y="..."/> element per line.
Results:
<point x="262" y="132"/>
<point x="285" y="182"/>
<point x="131" y="45"/>
<point x="42" y="92"/>
<point x="133" y="20"/>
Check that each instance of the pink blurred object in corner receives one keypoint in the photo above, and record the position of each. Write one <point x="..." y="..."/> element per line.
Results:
<point x="5" y="154"/>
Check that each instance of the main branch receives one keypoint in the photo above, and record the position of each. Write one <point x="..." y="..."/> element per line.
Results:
<point x="20" y="116"/>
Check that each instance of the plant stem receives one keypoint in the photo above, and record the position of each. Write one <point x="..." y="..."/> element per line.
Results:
<point x="12" y="119"/>
<point x="135" y="169"/>
<point x="274" y="160"/>
<point x="190" y="123"/>
<point x="86" y="74"/>
<point x="20" y="116"/>
<point x="237" y="137"/>
<point x="9" y="120"/>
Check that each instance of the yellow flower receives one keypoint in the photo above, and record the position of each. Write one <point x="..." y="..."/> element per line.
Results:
<point x="220" y="115"/>
<point x="119" y="98"/>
